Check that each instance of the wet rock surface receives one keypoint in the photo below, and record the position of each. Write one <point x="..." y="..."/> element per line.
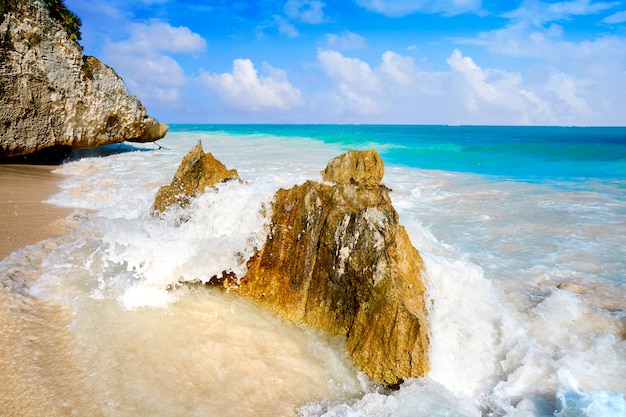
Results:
<point x="197" y="171"/>
<point x="336" y="258"/>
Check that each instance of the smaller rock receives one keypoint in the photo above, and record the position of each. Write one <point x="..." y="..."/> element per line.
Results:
<point x="355" y="167"/>
<point x="197" y="171"/>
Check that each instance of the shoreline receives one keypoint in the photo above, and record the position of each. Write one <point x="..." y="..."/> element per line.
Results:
<point x="24" y="217"/>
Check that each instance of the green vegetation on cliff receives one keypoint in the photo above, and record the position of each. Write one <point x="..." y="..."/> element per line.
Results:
<point x="70" y="22"/>
<point x="57" y="10"/>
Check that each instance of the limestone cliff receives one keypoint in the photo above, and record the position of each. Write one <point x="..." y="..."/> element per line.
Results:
<point x="196" y="172"/>
<point x="53" y="96"/>
<point x="336" y="258"/>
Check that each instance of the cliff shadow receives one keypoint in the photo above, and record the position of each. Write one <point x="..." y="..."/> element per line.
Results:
<point x="58" y="155"/>
<point x="106" y="150"/>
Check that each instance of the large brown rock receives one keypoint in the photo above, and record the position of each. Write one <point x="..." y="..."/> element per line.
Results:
<point x="197" y="171"/>
<point x="51" y="96"/>
<point x="337" y="259"/>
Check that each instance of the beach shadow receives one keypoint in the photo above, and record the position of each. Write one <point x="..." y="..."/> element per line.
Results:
<point x="58" y="155"/>
<point x="106" y="150"/>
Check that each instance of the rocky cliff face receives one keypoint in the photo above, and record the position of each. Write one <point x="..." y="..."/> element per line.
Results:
<point x="336" y="258"/>
<point x="53" y="96"/>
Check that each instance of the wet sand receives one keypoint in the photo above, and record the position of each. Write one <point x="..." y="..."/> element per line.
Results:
<point x="38" y="370"/>
<point x="24" y="218"/>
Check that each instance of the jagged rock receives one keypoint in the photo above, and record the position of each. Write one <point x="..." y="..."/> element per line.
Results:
<point x="355" y="167"/>
<point x="51" y="96"/>
<point x="337" y="259"/>
<point x="197" y="171"/>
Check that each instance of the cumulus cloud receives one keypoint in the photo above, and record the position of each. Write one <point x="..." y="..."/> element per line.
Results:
<point x="509" y="97"/>
<point x="397" y="8"/>
<point x="159" y="35"/>
<point x="566" y="88"/>
<point x="144" y="63"/>
<point x="579" y="70"/>
<point x="244" y="90"/>
<point x="349" y="71"/>
<point x="397" y="90"/>
<point x="534" y="31"/>
<point x="361" y="89"/>
<point x="397" y="69"/>
<point x="345" y="40"/>
<point x="489" y="90"/>
<point x="306" y="11"/>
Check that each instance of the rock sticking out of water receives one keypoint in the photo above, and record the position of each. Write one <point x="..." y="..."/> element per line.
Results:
<point x="197" y="171"/>
<point x="337" y="259"/>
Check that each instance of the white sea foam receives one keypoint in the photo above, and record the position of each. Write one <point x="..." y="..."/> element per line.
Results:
<point x="417" y="398"/>
<point x="501" y="331"/>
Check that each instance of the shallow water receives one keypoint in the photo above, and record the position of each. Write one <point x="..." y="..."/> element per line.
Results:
<point x="206" y="353"/>
<point x="505" y="340"/>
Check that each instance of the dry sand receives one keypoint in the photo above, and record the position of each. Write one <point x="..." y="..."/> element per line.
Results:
<point x="24" y="218"/>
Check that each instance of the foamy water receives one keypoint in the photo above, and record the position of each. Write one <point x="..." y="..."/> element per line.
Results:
<point x="504" y="339"/>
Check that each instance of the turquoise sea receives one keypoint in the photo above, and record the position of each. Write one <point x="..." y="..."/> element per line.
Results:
<point x="522" y="231"/>
<point x="521" y="153"/>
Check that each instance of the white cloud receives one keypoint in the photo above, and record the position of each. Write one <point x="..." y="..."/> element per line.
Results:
<point x="537" y="13"/>
<point x="352" y="72"/>
<point x="161" y="36"/>
<point x="482" y="89"/>
<point x="381" y="91"/>
<point x="616" y="18"/>
<point x="244" y="90"/>
<point x="559" y="98"/>
<point x="285" y="27"/>
<point x="307" y="11"/>
<point x="345" y="40"/>
<point x="397" y="68"/>
<point x="142" y="61"/>
<point x="566" y="88"/>
<point x="396" y="90"/>
<point x="532" y="33"/>
<point x="397" y="8"/>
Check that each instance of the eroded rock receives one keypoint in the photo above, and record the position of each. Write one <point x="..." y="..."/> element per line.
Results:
<point x="336" y="258"/>
<point x="355" y="167"/>
<point x="197" y="171"/>
<point x="51" y="96"/>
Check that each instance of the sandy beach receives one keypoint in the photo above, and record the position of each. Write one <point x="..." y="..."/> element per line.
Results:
<point x="24" y="218"/>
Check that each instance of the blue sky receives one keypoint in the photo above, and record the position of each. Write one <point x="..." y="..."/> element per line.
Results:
<point x="366" y="61"/>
